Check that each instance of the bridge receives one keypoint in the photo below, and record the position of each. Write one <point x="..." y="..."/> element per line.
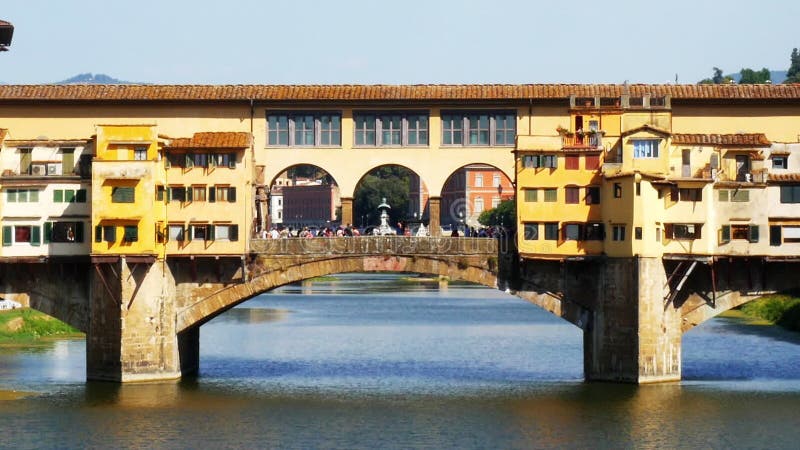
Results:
<point x="143" y="317"/>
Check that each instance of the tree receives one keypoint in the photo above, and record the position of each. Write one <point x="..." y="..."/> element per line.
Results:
<point x="718" y="78"/>
<point x="505" y="214"/>
<point x="793" y="74"/>
<point x="389" y="182"/>
<point x="749" y="76"/>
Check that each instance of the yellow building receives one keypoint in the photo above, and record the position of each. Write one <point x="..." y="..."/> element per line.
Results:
<point x="125" y="173"/>
<point x="205" y="191"/>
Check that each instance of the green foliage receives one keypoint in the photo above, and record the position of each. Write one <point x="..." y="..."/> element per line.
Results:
<point x="793" y="74"/>
<point x="749" y="76"/>
<point x="717" y="78"/>
<point x="31" y="324"/>
<point x="390" y="182"/>
<point x="504" y="214"/>
<point x="783" y="310"/>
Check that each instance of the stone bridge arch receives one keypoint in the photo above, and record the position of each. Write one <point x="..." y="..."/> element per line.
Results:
<point x="474" y="260"/>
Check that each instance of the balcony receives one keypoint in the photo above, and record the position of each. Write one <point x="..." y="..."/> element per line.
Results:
<point x="590" y="140"/>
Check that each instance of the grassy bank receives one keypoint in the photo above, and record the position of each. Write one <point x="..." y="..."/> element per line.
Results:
<point x="783" y="310"/>
<point x="28" y="325"/>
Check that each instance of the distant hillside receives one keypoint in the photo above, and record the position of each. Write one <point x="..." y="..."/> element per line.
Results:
<point x="88" y="78"/>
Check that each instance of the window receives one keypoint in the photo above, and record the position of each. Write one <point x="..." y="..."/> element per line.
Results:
<point x="496" y="181"/>
<point x="572" y="232"/>
<point x="495" y="201"/>
<point x="571" y="194"/>
<point x="637" y="233"/>
<point x="140" y="153"/>
<point x="790" y="193"/>
<point x="592" y="162"/>
<point x="530" y="195"/>
<point x="638" y="188"/>
<point x="160" y="193"/>
<point x="121" y="194"/>
<point x="539" y="161"/>
<point x="478" y="205"/>
<point x="478" y="180"/>
<point x="416" y="129"/>
<point x="304" y="129"/>
<point x="617" y="190"/>
<point x="550" y="195"/>
<point x="196" y="160"/>
<point x="740" y="232"/>
<point x="68" y="160"/>
<point x="592" y="195"/>
<point x="645" y="148"/>
<point x="740" y="195"/>
<point x="723" y="195"/>
<point x="25" y="155"/>
<point x="685" y="231"/>
<point x="176" y="193"/>
<point x="618" y="232"/>
<point x="175" y="160"/>
<point x="791" y="233"/>
<point x="198" y="232"/>
<point x="690" y="195"/>
<point x="594" y="231"/>
<point x="175" y="232"/>
<point x="780" y="162"/>
<point x="222" y="194"/>
<point x="532" y="231"/>
<point x="69" y="196"/>
<point x="551" y="231"/>
<point x="107" y="233"/>
<point x="479" y="128"/>
<point x="198" y="193"/>
<point x="131" y="233"/>
<point x="22" y="195"/>
<point x="222" y="160"/>
<point x="224" y="232"/>
<point x="572" y="162"/>
<point x="63" y="232"/>
<point x="21" y="234"/>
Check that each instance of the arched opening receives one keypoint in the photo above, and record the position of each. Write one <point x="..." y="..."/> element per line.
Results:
<point x="303" y="196"/>
<point x="401" y="190"/>
<point x="471" y="191"/>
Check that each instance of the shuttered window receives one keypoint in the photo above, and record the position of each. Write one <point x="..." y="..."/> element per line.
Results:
<point x="121" y="194"/>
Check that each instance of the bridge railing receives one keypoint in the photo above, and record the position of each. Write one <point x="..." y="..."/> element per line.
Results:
<point x="376" y="245"/>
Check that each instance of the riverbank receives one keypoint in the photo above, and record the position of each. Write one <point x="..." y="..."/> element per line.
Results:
<point x="27" y="326"/>
<point x="782" y="310"/>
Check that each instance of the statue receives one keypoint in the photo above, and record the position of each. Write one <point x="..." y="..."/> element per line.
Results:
<point x="384" y="229"/>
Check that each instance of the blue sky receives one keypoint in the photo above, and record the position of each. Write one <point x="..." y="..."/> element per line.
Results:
<point x="399" y="42"/>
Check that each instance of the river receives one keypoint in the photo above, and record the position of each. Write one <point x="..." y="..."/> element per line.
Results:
<point x="373" y="361"/>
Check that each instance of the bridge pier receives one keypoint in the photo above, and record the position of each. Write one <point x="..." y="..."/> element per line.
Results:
<point x="634" y="335"/>
<point x="131" y="333"/>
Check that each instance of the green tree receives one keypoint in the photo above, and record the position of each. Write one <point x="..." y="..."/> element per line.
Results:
<point x="793" y="74"/>
<point x="750" y="76"/>
<point x="505" y="214"/>
<point x="389" y="182"/>
<point x="718" y="78"/>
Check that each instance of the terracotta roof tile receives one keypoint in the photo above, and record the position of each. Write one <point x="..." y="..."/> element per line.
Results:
<point x="784" y="177"/>
<point x="425" y="92"/>
<point x="213" y="140"/>
<point x="745" y="139"/>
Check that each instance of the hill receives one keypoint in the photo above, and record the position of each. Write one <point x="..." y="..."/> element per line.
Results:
<point x="88" y="78"/>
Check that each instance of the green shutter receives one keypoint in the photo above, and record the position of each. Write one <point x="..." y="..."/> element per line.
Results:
<point x="131" y="233"/>
<point x="753" y="237"/>
<point x="169" y="194"/>
<point x="120" y="194"/>
<point x="98" y="233"/>
<point x="36" y="235"/>
<point x="189" y="232"/>
<point x="48" y="232"/>
<point x="58" y="195"/>
<point x="775" y="238"/>
<point x="34" y="195"/>
<point x="232" y="160"/>
<point x="231" y="194"/>
<point x="189" y="161"/>
<point x="11" y="195"/>
<point x="725" y="234"/>
<point x="233" y="233"/>
<point x="6" y="236"/>
<point x="78" y="231"/>
<point x="80" y="196"/>
<point x="212" y="194"/>
<point x="69" y="196"/>
<point x="189" y="194"/>
<point x="209" y="232"/>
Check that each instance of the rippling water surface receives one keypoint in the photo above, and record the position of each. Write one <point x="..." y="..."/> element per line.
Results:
<point x="372" y="361"/>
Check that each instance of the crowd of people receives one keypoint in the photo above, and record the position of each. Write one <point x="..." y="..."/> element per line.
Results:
<point x="282" y="232"/>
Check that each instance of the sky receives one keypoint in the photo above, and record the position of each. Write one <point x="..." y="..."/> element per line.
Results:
<point x="395" y="42"/>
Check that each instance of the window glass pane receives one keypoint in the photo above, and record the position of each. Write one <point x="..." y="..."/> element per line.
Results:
<point x="550" y="195"/>
<point x="176" y="232"/>
<point x="531" y="231"/>
<point x="221" y="232"/>
<point x="530" y="195"/>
